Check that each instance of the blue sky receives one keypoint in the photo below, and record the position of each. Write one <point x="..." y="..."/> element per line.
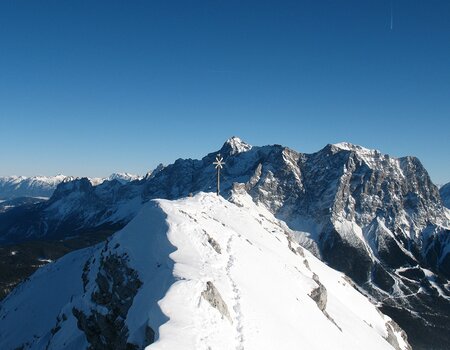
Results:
<point x="93" y="87"/>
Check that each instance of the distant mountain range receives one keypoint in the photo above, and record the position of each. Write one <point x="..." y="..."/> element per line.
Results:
<point x="43" y="186"/>
<point x="377" y="218"/>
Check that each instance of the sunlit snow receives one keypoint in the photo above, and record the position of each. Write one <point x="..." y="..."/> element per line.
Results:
<point x="178" y="248"/>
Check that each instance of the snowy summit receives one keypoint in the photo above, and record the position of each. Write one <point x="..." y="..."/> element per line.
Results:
<point x="196" y="273"/>
<point x="236" y="145"/>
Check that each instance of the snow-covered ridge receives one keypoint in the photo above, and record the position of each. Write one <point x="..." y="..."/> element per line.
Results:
<point x="370" y="156"/>
<point x="347" y="146"/>
<point x="197" y="273"/>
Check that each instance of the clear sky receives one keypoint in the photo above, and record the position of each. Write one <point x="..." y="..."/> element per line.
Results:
<point x="94" y="87"/>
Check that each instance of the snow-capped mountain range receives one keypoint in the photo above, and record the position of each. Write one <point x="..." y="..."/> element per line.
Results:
<point x="35" y="186"/>
<point x="43" y="186"/>
<point x="377" y="218"/>
<point x="197" y="273"/>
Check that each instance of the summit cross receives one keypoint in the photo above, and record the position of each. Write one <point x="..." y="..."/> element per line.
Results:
<point x="219" y="165"/>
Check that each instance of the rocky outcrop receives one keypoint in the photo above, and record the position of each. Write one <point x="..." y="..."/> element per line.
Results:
<point x="213" y="243"/>
<point x="393" y="328"/>
<point x="212" y="296"/>
<point x="117" y="284"/>
<point x="319" y="294"/>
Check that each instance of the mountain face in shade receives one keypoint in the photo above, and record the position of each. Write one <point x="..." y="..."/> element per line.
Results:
<point x="195" y="273"/>
<point x="378" y="219"/>
<point x="445" y="194"/>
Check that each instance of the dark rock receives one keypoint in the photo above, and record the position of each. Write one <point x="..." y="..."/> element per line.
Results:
<point x="117" y="284"/>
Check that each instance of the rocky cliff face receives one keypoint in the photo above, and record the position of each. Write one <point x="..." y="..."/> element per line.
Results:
<point x="377" y="218"/>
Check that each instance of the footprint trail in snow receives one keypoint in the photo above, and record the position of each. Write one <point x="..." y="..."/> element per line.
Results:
<point x="236" y="297"/>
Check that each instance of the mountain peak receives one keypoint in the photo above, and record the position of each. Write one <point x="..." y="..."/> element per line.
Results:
<point x="235" y="145"/>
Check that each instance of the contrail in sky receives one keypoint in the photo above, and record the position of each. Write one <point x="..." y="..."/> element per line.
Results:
<point x="392" y="15"/>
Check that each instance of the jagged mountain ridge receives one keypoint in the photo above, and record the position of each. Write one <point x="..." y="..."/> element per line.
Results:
<point x="197" y="273"/>
<point x="307" y="187"/>
<point x="377" y="218"/>
<point x="12" y="187"/>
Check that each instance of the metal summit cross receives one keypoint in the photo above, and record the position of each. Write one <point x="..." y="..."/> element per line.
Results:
<point x="219" y="165"/>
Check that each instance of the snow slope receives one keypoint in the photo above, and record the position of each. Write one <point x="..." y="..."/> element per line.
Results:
<point x="195" y="273"/>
